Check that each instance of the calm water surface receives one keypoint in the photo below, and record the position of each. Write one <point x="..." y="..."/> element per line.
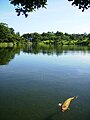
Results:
<point x="33" y="82"/>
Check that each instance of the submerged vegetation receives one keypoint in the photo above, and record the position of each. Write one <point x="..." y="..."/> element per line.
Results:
<point x="8" y="37"/>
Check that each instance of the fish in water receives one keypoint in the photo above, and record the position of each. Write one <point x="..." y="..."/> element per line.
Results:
<point x="65" y="106"/>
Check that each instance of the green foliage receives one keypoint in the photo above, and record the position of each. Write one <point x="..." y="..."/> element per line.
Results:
<point x="58" y="38"/>
<point x="26" y="6"/>
<point x="8" y="35"/>
<point x="5" y="32"/>
<point x="82" y="4"/>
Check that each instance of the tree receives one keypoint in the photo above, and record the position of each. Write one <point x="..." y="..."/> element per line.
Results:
<point x="12" y="30"/>
<point x="26" y="6"/>
<point x="5" y="32"/>
<point x="8" y="35"/>
<point x="82" y="4"/>
<point x="18" y="34"/>
<point x="59" y="33"/>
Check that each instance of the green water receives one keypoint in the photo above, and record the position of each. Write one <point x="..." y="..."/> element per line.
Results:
<point x="34" y="80"/>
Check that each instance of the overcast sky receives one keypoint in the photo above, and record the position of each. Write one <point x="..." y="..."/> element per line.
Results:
<point x="60" y="15"/>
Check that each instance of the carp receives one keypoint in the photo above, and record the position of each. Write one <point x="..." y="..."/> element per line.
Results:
<point x="65" y="106"/>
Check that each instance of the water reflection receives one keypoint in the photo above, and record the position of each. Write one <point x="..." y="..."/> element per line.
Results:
<point x="31" y="86"/>
<point x="7" y="54"/>
<point x="51" y="49"/>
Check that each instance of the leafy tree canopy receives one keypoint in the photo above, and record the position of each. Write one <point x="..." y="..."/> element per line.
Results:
<point x="26" y="6"/>
<point x="82" y="4"/>
<point x="58" y="38"/>
<point x="8" y="35"/>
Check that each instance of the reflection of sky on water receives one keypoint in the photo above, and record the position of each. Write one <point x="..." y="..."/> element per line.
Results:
<point x="32" y="82"/>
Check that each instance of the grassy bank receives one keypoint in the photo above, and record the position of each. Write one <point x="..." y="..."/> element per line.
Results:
<point x="11" y="44"/>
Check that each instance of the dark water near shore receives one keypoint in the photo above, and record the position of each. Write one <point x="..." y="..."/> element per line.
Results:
<point x="34" y="80"/>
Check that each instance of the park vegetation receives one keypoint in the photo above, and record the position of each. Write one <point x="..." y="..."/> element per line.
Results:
<point x="58" y="38"/>
<point x="9" y="37"/>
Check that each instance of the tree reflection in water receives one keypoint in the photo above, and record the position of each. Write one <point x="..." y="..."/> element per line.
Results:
<point x="8" y="53"/>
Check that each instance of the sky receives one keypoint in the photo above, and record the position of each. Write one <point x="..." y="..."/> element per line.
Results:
<point x="60" y="15"/>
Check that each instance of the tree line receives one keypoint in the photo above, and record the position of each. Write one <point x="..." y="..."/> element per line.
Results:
<point x="8" y="34"/>
<point x="58" y="38"/>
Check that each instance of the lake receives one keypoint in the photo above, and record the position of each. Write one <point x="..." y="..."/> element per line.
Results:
<point x="34" y="79"/>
